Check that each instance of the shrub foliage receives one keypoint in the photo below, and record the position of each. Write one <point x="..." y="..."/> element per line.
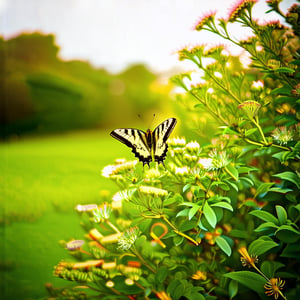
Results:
<point x="219" y="221"/>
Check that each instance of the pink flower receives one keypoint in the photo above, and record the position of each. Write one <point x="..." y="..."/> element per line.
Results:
<point x="205" y="20"/>
<point x="237" y="9"/>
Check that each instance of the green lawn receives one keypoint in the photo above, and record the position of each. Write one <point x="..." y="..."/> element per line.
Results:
<point x="41" y="181"/>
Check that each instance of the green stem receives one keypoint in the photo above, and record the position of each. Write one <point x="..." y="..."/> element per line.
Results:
<point x="260" y="272"/>
<point x="214" y="114"/>
<point x="255" y="122"/>
<point x="139" y="256"/>
<point x="112" y="226"/>
<point x="230" y="174"/>
<point x="178" y="231"/>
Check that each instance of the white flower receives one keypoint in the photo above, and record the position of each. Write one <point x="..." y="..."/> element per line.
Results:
<point x="150" y="190"/>
<point x="259" y="84"/>
<point x="87" y="207"/>
<point x="108" y="171"/>
<point x="128" y="238"/>
<point x="177" y="142"/>
<point x="182" y="170"/>
<point x="193" y="147"/>
<point x="112" y="170"/>
<point x="102" y="213"/>
<point x="123" y="195"/>
<point x="206" y="163"/>
<point x="283" y="135"/>
<point x="219" y="159"/>
<point x="152" y="173"/>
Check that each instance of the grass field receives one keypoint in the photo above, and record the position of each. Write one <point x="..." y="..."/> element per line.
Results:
<point x="41" y="181"/>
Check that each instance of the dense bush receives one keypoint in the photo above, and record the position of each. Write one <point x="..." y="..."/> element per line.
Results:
<point x="42" y="93"/>
<point x="220" y="221"/>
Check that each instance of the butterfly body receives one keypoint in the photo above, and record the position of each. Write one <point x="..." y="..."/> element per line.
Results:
<point x="147" y="146"/>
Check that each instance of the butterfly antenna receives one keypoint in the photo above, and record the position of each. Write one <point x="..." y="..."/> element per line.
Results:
<point x="151" y="123"/>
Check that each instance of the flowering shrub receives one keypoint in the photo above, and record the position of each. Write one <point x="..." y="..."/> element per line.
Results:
<point x="188" y="230"/>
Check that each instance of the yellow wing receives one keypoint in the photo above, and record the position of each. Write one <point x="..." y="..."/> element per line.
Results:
<point x="160" y="136"/>
<point x="136" y="140"/>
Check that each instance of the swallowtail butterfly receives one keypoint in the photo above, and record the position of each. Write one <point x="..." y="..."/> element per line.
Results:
<point x="147" y="146"/>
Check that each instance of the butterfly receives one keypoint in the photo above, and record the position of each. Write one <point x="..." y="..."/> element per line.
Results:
<point x="147" y="146"/>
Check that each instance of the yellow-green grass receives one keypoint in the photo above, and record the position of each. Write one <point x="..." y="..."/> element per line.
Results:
<point x="42" y="179"/>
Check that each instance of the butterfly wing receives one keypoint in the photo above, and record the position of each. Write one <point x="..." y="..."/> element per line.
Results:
<point x="160" y="136"/>
<point x="136" y="140"/>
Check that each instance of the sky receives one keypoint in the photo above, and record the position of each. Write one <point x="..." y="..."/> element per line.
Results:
<point x="113" y="34"/>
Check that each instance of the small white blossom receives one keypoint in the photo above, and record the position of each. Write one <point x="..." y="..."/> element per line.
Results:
<point x="182" y="170"/>
<point x="128" y="238"/>
<point x="219" y="159"/>
<point x="177" y="142"/>
<point x="108" y="171"/>
<point x="112" y="170"/>
<point x="102" y="213"/>
<point x="259" y="84"/>
<point x="206" y="163"/>
<point x="193" y="147"/>
<point x="150" y="190"/>
<point x="283" y="135"/>
<point x="87" y="207"/>
<point x="123" y="195"/>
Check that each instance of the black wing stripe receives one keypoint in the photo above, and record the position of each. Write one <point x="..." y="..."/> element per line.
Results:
<point x="121" y="138"/>
<point x="137" y="141"/>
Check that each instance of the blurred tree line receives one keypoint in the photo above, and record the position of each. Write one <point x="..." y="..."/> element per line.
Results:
<point x="41" y="93"/>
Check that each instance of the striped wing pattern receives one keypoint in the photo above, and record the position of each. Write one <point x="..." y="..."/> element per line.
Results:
<point x="160" y="135"/>
<point x="136" y="140"/>
<point x="143" y="144"/>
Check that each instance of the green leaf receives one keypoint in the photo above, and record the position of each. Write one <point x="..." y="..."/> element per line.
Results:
<point x="233" y="171"/>
<point x="223" y="244"/>
<point x="284" y="90"/>
<point x="289" y="176"/>
<point x="221" y="185"/>
<point x="171" y="200"/>
<point x="244" y="169"/>
<point x="172" y="287"/>
<point x="285" y="70"/>
<point x="193" y="211"/>
<point x="238" y="233"/>
<point x="178" y="292"/>
<point x="210" y="215"/>
<point x="263" y="188"/>
<point x="147" y="292"/>
<point x="280" y="190"/>
<point x="233" y="288"/>
<point x="183" y="213"/>
<point x="291" y="250"/>
<point x="145" y="224"/>
<point x="187" y="225"/>
<point x="294" y="211"/>
<point x="249" y="279"/>
<point x="282" y="215"/>
<point x="178" y="240"/>
<point x="264" y="215"/>
<point x="266" y="226"/>
<point x="140" y="241"/>
<point x="161" y="274"/>
<point x="195" y="296"/>
<point x="186" y="187"/>
<point x="287" y="234"/>
<point x="223" y="205"/>
<point x="270" y="267"/>
<point x="232" y="184"/>
<point x="259" y="247"/>
<point x="250" y="131"/>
